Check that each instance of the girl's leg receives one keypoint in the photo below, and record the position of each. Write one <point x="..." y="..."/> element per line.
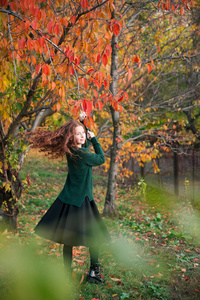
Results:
<point x="94" y="275"/>
<point x="67" y="257"/>
<point x="94" y="255"/>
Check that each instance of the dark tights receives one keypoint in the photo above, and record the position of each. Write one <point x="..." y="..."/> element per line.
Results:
<point x="67" y="255"/>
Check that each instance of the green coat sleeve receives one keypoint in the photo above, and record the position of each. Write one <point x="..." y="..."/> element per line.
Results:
<point x="93" y="159"/>
<point x="88" y="142"/>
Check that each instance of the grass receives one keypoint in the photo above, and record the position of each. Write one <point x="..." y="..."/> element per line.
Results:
<point x="154" y="254"/>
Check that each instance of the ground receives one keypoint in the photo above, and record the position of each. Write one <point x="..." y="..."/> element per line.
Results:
<point x="154" y="253"/>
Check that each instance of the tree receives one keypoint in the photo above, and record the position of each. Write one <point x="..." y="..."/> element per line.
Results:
<point x="46" y="63"/>
<point x="147" y="42"/>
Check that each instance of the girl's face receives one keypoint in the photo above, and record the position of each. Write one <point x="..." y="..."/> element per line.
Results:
<point x="79" y="136"/>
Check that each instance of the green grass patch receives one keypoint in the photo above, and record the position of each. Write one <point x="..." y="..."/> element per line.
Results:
<point x="154" y="253"/>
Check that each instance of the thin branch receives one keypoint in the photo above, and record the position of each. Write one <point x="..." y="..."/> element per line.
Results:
<point x="12" y="49"/>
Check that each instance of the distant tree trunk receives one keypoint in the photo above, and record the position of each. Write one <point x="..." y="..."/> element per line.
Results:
<point x="142" y="169"/>
<point x="176" y="174"/>
<point x="109" y="206"/>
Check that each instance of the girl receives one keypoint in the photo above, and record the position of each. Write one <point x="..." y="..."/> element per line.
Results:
<point x="73" y="219"/>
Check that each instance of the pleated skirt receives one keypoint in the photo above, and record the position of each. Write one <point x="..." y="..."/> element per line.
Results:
<point x="72" y="225"/>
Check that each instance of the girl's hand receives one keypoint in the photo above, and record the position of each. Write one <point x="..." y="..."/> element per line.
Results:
<point x="82" y="115"/>
<point x="90" y="135"/>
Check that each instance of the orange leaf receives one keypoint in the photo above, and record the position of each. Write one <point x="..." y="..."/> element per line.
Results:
<point x="96" y="94"/>
<point x="149" y="68"/>
<point x="58" y="106"/>
<point x="53" y="85"/>
<point x="100" y="105"/>
<point x="85" y="83"/>
<point x="105" y="59"/>
<point x="91" y="121"/>
<point x="33" y="60"/>
<point x="129" y="74"/>
<point x="181" y="10"/>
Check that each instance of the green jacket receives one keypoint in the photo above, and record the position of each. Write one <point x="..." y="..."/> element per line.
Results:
<point x="79" y="184"/>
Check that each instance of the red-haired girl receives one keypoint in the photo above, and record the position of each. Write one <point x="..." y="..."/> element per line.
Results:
<point x="73" y="219"/>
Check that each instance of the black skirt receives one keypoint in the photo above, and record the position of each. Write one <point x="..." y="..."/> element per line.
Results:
<point x="72" y="225"/>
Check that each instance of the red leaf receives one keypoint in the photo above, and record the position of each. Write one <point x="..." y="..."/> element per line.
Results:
<point x="116" y="29"/>
<point x="89" y="107"/>
<point x="46" y="70"/>
<point x="136" y="58"/>
<point x="98" y="58"/>
<point x="73" y="19"/>
<point x="38" y="14"/>
<point x="89" y="71"/>
<point x="97" y="83"/>
<point x="105" y="59"/>
<point x="106" y="83"/>
<point x="108" y="50"/>
<point x="57" y="29"/>
<point x="37" y="69"/>
<point x="41" y="41"/>
<point x="71" y="69"/>
<point x="121" y="98"/>
<point x="22" y="43"/>
<point x="159" y="3"/>
<point x="188" y="7"/>
<point x="50" y="27"/>
<point x="173" y="7"/>
<point x="77" y="61"/>
<point x="84" y="3"/>
<point x="34" y="25"/>
<point x="149" y="68"/>
<point x="71" y="57"/>
<point x="84" y="105"/>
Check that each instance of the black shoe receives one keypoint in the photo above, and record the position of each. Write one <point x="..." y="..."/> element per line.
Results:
<point x="94" y="275"/>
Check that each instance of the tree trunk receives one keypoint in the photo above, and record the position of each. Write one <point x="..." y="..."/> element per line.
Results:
<point x="10" y="191"/>
<point x="10" y="183"/>
<point x="109" y="206"/>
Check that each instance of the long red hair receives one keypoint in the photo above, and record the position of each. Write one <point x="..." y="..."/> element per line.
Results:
<point x="56" y="143"/>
